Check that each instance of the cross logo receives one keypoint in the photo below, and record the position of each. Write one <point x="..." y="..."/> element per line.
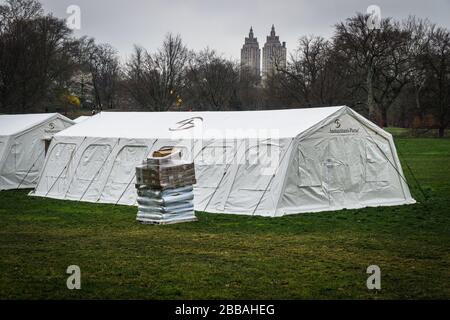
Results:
<point x="186" y="124"/>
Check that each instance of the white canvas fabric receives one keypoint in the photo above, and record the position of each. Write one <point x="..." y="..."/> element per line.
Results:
<point x="268" y="163"/>
<point x="22" y="146"/>
<point x="81" y="119"/>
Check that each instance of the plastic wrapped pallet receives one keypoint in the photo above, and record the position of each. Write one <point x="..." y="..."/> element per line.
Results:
<point x="164" y="185"/>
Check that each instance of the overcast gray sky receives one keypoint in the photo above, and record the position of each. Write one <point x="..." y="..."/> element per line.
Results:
<point x="222" y="25"/>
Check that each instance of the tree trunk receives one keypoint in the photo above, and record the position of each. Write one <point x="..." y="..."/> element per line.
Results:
<point x="402" y="122"/>
<point x="383" y="117"/>
<point x="418" y="105"/>
<point x="441" y="132"/>
<point x="370" y="99"/>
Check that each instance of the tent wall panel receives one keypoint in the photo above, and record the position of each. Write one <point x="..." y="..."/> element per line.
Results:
<point x="344" y="164"/>
<point x="325" y="159"/>
<point x="22" y="157"/>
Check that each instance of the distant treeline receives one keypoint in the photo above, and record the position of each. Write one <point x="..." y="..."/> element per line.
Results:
<point x="398" y="73"/>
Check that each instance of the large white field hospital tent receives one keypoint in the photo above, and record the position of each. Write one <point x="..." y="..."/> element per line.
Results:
<point x="23" y="142"/>
<point x="268" y="163"/>
<point x="81" y="119"/>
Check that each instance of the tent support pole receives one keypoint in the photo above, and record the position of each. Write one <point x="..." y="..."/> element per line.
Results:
<point x="221" y="179"/>
<point x="395" y="167"/>
<point x="126" y="188"/>
<point x="65" y="167"/>
<point x="232" y="183"/>
<point x="98" y="171"/>
<point x="29" y="170"/>
<point x="134" y="174"/>
<point x="273" y="176"/>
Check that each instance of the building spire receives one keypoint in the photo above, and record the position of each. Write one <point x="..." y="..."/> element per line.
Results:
<point x="251" y="55"/>
<point x="273" y="51"/>
<point x="272" y="32"/>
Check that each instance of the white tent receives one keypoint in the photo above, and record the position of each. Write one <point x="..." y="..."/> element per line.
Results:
<point x="81" y="119"/>
<point x="268" y="163"/>
<point x="23" y="141"/>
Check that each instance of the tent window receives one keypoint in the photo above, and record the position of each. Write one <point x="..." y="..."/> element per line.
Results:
<point x="126" y="161"/>
<point x="376" y="163"/>
<point x="211" y="164"/>
<point x="88" y="169"/>
<point x="215" y="155"/>
<point x="2" y="146"/>
<point x="92" y="160"/>
<point x="308" y="167"/>
<point x="261" y="163"/>
<point x="60" y="157"/>
<point x="123" y="172"/>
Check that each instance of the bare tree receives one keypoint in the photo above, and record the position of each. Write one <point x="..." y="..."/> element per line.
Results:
<point x="135" y="81"/>
<point x="102" y="63"/>
<point x="419" y="31"/>
<point x="437" y="61"/>
<point x="155" y="80"/>
<point x="15" y="10"/>
<point x="250" y="92"/>
<point x="311" y="76"/>
<point x="378" y="57"/>
<point x="35" y="56"/>
<point x="211" y="81"/>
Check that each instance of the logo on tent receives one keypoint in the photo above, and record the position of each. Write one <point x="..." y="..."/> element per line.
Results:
<point x="337" y="128"/>
<point x="338" y="123"/>
<point x="186" y="124"/>
<point x="51" y="128"/>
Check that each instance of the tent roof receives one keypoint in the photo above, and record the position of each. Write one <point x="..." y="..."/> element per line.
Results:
<point x="288" y="123"/>
<point x="15" y="123"/>
<point x="81" y="119"/>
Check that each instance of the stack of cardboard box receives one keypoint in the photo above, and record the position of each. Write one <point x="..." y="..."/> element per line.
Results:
<point x="164" y="185"/>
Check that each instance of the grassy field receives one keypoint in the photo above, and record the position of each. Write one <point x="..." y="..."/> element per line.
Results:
<point x="320" y="255"/>
<point x="415" y="133"/>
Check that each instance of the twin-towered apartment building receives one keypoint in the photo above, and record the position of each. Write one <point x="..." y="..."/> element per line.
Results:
<point x="273" y="55"/>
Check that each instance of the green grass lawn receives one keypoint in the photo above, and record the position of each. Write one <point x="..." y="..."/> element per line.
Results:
<point x="411" y="133"/>
<point x="318" y="255"/>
